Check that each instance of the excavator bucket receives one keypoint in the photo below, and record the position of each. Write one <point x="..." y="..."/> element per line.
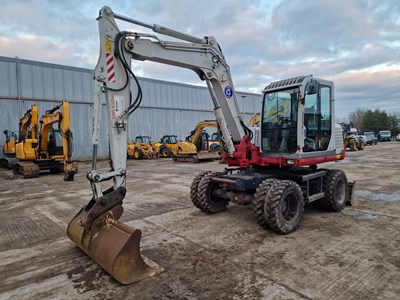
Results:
<point x="113" y="245"/>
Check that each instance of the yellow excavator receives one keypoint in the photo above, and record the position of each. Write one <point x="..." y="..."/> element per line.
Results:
<point x="276" y="179"/>
<point x="9" y="149"/>
<point x="28" y="129"/>
<point x="255" y="120"/>
<point x="48" y="148"/>
<point x="198" y="146"/>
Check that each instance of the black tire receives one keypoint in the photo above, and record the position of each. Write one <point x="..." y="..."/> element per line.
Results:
<point x="218" y="149"/>
<point x="352" y="145"/>
<point x="165" y="152"/>
<point x="137" y="154"/>
<point x="194" y="188"/>
<point x="207" y="201"/>
<point x="335" y="187"/>
<point x="284" y="206"/>
<point x="259" y="201"/>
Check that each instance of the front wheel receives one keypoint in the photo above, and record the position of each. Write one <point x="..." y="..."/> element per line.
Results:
<point x="284" y="206"/>
<point x="352" y="145"/>
<point x="259" y="201"/>
<point x="137" y="154"/>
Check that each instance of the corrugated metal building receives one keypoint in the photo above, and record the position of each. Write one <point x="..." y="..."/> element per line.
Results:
<point x="167" y="107"/>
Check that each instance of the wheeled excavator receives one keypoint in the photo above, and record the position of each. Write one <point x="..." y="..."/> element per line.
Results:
<point x="48" y="148"/>
<point x="28" y="130"/>
<point x="277" y="178"/>
<point x="197" y="146"/>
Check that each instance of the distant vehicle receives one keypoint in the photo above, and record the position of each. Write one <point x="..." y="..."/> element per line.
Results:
<point x="398" y="137"/>
<point x="370" y="138"/>
<point x="384" y="135"/>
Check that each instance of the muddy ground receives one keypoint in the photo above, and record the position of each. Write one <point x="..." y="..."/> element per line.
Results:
<point x="354" y="254"/>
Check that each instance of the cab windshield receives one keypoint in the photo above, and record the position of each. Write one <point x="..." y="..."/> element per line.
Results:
<point x="279" y="121"/>
<point x="143" y="139"/>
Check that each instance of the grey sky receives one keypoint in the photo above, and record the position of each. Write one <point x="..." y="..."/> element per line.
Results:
<point x="355" y="43"/>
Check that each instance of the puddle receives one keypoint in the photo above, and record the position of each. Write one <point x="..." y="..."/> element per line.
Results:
<point x="383" y="197"/>
<point x="366" y="216"/>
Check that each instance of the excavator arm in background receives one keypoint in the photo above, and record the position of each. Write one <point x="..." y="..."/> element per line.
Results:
<point x="48" y="148"/>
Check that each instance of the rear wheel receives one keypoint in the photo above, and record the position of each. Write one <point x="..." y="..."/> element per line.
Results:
<point x="259" y="201"/>
<point x="335" y="186"/>
<point x="284" y="206"/>
<point x="208" y="201"/>
<point x="194" y="188"/>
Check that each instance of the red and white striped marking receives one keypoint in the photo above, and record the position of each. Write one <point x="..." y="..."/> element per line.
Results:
<point x="110" y="67"/>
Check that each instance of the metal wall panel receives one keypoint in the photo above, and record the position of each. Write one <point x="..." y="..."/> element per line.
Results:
<point x="167" y="107"/>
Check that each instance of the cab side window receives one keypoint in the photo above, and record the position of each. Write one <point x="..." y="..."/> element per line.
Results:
<point x="317" y="120"/>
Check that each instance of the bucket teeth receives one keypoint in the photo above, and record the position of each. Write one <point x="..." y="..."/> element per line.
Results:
<point x="113" y="245"/>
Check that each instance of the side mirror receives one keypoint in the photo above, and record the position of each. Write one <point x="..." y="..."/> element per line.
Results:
<point x="312" y="87"/>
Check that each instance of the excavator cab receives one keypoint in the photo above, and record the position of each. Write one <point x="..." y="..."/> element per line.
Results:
<point x="296" y="122"/>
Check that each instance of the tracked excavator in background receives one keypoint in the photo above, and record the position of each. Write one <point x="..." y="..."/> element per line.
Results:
<point x="28" y="129"/>
<point x="197" y="146"/>
<point x="277" y="178"/>
<point x="47" y="148"/>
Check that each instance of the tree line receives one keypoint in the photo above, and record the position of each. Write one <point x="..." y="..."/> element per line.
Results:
<point x="375" y="120"/>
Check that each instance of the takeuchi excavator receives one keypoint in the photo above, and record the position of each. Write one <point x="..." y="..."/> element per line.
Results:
<point x="278" y="177"/>
<point x="48" y="148"/>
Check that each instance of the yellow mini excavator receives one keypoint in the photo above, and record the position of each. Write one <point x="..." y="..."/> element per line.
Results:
<point x="198" y="146"/>
<point x="48" y="148"/>
<point x="28" y="130"/>
<point x="9" y="149"/>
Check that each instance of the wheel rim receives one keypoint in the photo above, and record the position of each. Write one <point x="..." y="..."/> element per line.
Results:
<point x="340" y="191"/>
<point x="214" y="199"/>
<point x="289" y="207"/>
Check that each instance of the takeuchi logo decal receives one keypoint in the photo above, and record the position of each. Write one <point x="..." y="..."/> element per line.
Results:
<point x="228" y="92"/>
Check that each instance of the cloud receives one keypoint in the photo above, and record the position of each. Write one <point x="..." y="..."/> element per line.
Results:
<point x="355" y="43"/>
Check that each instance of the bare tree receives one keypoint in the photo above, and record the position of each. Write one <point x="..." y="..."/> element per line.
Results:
<point x="356" y="117"/>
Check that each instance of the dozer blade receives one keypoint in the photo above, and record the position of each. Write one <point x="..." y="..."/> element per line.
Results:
<point x="350" y="193"/>
<point x="113" y="245"/>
